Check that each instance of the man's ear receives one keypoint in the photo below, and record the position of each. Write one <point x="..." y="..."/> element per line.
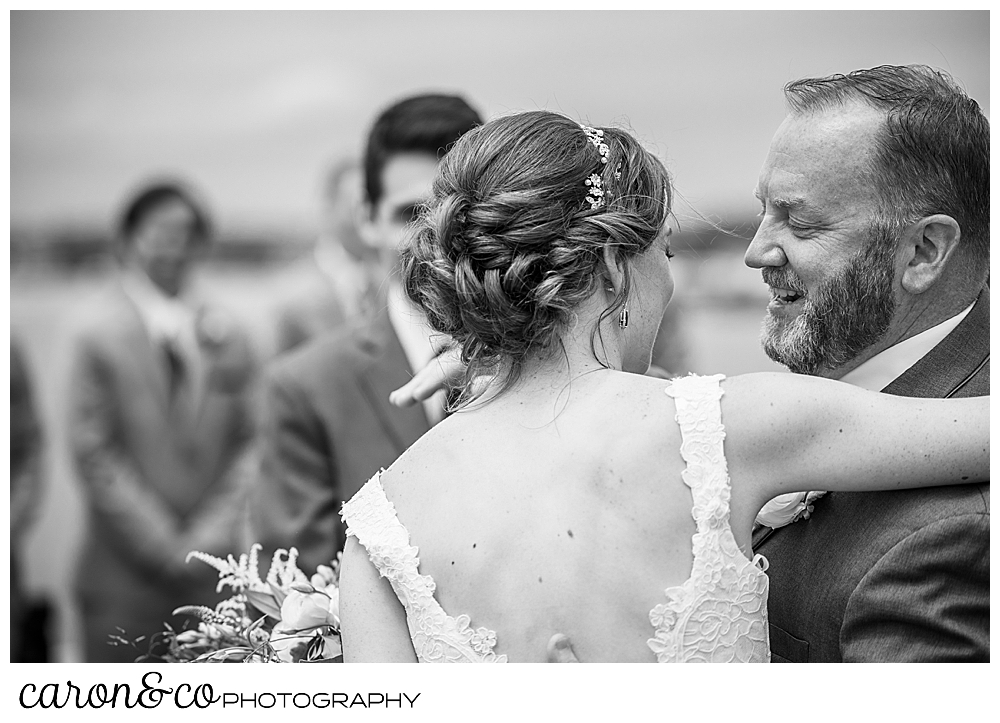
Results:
<point x="928" y="246"/>
<point x="613" y="277"/>
<point x="121" y="247"/>
<point x="364" y="221"/>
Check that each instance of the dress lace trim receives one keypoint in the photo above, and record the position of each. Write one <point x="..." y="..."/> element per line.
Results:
<point x="436" y="636"/>
<point x="719" y="614"/>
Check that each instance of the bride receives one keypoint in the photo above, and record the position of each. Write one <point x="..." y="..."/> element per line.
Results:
<point x="571" y="494"/>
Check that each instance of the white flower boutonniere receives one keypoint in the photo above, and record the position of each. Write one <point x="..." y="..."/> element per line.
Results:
<point x="786" y="509"/>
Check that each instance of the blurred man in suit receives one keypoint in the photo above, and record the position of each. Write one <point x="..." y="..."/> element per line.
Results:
<point x="338" y="282"/>
<point x="328" y="425"/>
<point x="160" y="422"/>
<point x="875" y="243"/>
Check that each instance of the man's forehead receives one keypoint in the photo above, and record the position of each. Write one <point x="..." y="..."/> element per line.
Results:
<point x="819" y="154"/>
<point x="171" y="210"/>
<point x="845" y="133"/>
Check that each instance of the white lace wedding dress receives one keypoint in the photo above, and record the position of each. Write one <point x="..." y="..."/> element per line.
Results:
<point x="719" y="614"/>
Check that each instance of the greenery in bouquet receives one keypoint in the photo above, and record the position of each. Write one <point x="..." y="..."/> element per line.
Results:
<point x="286" y="617"/>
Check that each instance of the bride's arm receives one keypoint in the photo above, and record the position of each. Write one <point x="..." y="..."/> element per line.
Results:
<point x="789" y="433"/>
<point x="372" y="620"/>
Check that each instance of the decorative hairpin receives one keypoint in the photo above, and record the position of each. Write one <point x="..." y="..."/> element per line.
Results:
<point x="595" y="196"/>
<point x="596" y="136"/>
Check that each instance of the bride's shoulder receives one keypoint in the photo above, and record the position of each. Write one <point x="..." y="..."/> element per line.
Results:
<point x="630" y="404"/>
<point x="417" y="467"/>
<point x="645" y="390"/>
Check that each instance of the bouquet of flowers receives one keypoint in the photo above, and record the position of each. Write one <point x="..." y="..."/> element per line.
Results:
<point x="287" y="617"/>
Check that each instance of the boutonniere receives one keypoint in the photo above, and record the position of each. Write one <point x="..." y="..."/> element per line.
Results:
<point x="788" y="508"/>
<point x="226" y="352"/>
<point x="213" y="328"/>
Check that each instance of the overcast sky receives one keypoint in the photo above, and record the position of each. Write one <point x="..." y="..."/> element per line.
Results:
<point x="253" y="106"/>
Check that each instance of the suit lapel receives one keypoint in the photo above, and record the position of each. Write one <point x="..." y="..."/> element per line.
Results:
<point x="951" y="364"/>
<point x="388" y="370"/>
<point x="760" y="535"/>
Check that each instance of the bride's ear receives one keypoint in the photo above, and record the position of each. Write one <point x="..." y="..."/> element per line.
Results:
<point x="613" y="275"/>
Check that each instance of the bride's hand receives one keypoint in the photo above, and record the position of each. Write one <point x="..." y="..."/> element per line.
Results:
<point x="441" y="371"/>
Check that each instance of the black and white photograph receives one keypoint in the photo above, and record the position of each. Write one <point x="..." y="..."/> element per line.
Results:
<point x="542" y="336"/>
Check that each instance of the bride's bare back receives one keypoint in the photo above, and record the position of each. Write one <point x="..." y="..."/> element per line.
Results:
<point x="534" y="516"/>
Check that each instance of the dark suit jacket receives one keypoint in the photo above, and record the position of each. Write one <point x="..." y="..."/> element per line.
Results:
<point x="892" y="576"/>
<point x="318" y="307"/>
<point x="25" y="487"/>
<point x="299" y="322"/>
<point x="160" y="480"/>
<point x="328" y="427"/>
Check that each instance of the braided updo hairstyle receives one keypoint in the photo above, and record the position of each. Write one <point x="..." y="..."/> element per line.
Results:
<point x="508" y="245"/>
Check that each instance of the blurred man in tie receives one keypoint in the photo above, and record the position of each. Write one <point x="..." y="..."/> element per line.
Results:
<point x="159" y="426"/>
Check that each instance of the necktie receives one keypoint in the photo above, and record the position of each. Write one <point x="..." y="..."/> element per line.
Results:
<point x="175" y="367"/>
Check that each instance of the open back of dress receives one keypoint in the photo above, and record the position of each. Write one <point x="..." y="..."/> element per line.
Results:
<point x="719" y="614"/>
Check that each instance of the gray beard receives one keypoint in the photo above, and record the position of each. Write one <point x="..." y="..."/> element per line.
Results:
<point x="845" y="316"/>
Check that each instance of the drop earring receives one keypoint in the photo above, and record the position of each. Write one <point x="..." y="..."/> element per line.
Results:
<point x="623" y="317"/>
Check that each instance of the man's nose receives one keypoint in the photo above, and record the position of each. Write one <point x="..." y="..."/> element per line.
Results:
<point x="764" y="250"/>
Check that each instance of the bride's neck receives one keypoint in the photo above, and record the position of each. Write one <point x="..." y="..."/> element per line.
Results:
<point x="586" y="346"/>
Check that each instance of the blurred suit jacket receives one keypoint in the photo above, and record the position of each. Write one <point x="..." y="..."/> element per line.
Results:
<point x="25" y="494"/>
<point x="318" y="313"/>
<point x="892" y="576"/>
<point x="161" y="479"/>
<point x="327" y="428"/>
<point x="332" y="290"/>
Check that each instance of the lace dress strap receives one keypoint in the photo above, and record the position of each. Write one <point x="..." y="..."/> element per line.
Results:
<point x="699" y="415"/>
<point x="719" y="614"/>
<point x="436" y="636"/>
<point x="371" y="517"/>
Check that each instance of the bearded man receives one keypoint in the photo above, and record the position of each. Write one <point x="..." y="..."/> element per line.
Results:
<point x="874" y="240"/>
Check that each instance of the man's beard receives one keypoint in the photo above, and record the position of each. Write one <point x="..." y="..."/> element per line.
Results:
<point x="839" y="320"/>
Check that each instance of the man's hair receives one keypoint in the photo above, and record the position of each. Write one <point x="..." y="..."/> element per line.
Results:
<point x="152" y="196"/>
<point x="933" y="151"/>
<point x="420" y="124"/>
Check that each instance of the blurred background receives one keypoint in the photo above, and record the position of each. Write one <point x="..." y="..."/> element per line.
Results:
<point x="253" y="107"/>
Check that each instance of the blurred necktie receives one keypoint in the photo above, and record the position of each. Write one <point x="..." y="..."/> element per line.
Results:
<point x="175" y="367"/>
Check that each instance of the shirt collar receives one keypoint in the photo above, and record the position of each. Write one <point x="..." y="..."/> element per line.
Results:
<point x="165" y="317"/>
<point x="879" y="371"/>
